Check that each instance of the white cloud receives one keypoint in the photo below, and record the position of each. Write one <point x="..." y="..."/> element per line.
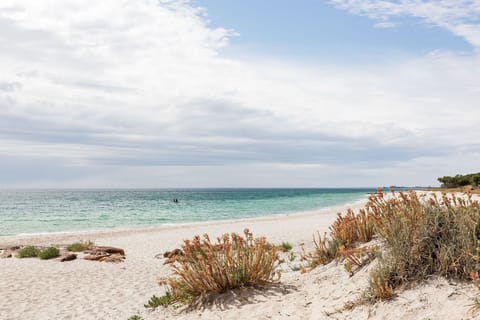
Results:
<point x="120" y="89"/>
<point x="461" y="17"/>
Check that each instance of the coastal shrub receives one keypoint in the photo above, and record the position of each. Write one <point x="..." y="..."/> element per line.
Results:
<point x="326" y="250"/>
<point x="424" y="237"/>
<point x="28" y="252"/>
<point x="49" y="253"/>
<point x="80" y="246"/>
<point x="351" y="228"/>
<point x="207" y="267"/>
<point x="421" y="237"/>
<point x="344" y="229"/>
<point x="345" y="233"/>
<point x="163" y="301"/>
<point x="135" y="317"/>
<point x="365" y="226"/>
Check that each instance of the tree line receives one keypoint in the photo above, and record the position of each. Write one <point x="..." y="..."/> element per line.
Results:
<point x="459" y="180"/>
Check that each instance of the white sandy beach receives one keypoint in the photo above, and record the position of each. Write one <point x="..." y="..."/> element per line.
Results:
<point x="80" y="289"/>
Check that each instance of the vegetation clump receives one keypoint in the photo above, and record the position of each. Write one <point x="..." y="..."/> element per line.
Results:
<point x="28" y="252"/>
<point x="472" y="179"/>
<point x="421" y="237"/>
<point x="49" y="253"/>
<point x="207" y="267"/>
<point x="80" y="246"/>
<point x="162" y="301"/>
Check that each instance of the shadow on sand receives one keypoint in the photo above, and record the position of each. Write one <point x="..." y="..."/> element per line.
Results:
<point x="240" y="297"/>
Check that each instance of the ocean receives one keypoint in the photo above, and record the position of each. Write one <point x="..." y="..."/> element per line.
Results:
<point x="45" y="211"/>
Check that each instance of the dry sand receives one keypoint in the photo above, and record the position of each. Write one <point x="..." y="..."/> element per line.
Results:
<point x="80" y="289"/>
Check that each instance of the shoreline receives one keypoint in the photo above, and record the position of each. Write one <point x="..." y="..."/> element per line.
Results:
<point x="119" y="231"/>
<point x="62" y="211"/>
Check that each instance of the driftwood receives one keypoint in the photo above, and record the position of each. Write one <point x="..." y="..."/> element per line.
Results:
<point x="9" y="248"/>
<point x="105" y="254"/>
<point x="105" y="249"/>
<point x="7" y="251"/>
<point x="116" y="257"/>
<point x="68" y="257"/>
<point x="6" y="254"/>
<point x="96" y="257"/>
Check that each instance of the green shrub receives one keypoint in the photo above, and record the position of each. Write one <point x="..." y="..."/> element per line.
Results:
<point x="49" y="253"/>
<point x="163" y="301"/>
<point x="80" y="246"/>
<point x="135" y="317"/>
<point x="28" y="252"/>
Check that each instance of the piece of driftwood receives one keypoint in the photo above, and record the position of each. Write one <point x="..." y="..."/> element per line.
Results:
<point x="6" y="254"/>
<point x="115" y="257"/>
<point x="105" y="249"/>
<point x="9" y="248"/>
<point x="96" y="257"/>
<point x="105" y="254"/>
<point x="68" y="257"/>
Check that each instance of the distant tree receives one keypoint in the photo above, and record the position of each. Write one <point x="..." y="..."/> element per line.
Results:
<point x="476" y="180"/>
<point x="447" y="182"/>
<point x="460" y="180"/>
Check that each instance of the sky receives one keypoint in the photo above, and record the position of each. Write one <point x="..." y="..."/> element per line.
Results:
<point x="223" y="93"/>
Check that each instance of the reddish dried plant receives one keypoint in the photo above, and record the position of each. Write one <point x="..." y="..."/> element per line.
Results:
<point x="231" y="262"/>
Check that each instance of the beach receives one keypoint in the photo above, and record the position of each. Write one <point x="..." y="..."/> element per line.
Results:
<point x="80" y="289"/>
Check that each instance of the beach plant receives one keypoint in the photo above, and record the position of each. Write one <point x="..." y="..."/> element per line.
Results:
<point x="326" y="250"/>
<point x="420" y="236"/>
<point x="364" y="226"/>
<point x="163" y="301"/>
<point x="135" y="317"/>
<point x="28" y="252"/>
<point x="49" y="253"/>
<point x="344" y="229"/>
<point x="206" y="268"/>
<point x="80" y="246"/>
<point x="435" y="236"/>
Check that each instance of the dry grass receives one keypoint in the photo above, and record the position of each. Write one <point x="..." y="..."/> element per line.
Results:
<point x="420" y="236"/>
<point x="326" y="250"/>
<point x="436" y="236"/>
<point x="346" y="233"/>
<point x="231" y="262"/>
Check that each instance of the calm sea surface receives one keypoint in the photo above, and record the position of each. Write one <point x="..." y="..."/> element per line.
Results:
<point x="40" y="211"/>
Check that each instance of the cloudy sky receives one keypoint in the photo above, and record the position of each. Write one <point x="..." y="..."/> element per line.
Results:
<point x="228" y="93"/>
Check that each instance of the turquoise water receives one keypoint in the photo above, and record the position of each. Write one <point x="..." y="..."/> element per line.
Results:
<point x="40" y="211"/>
